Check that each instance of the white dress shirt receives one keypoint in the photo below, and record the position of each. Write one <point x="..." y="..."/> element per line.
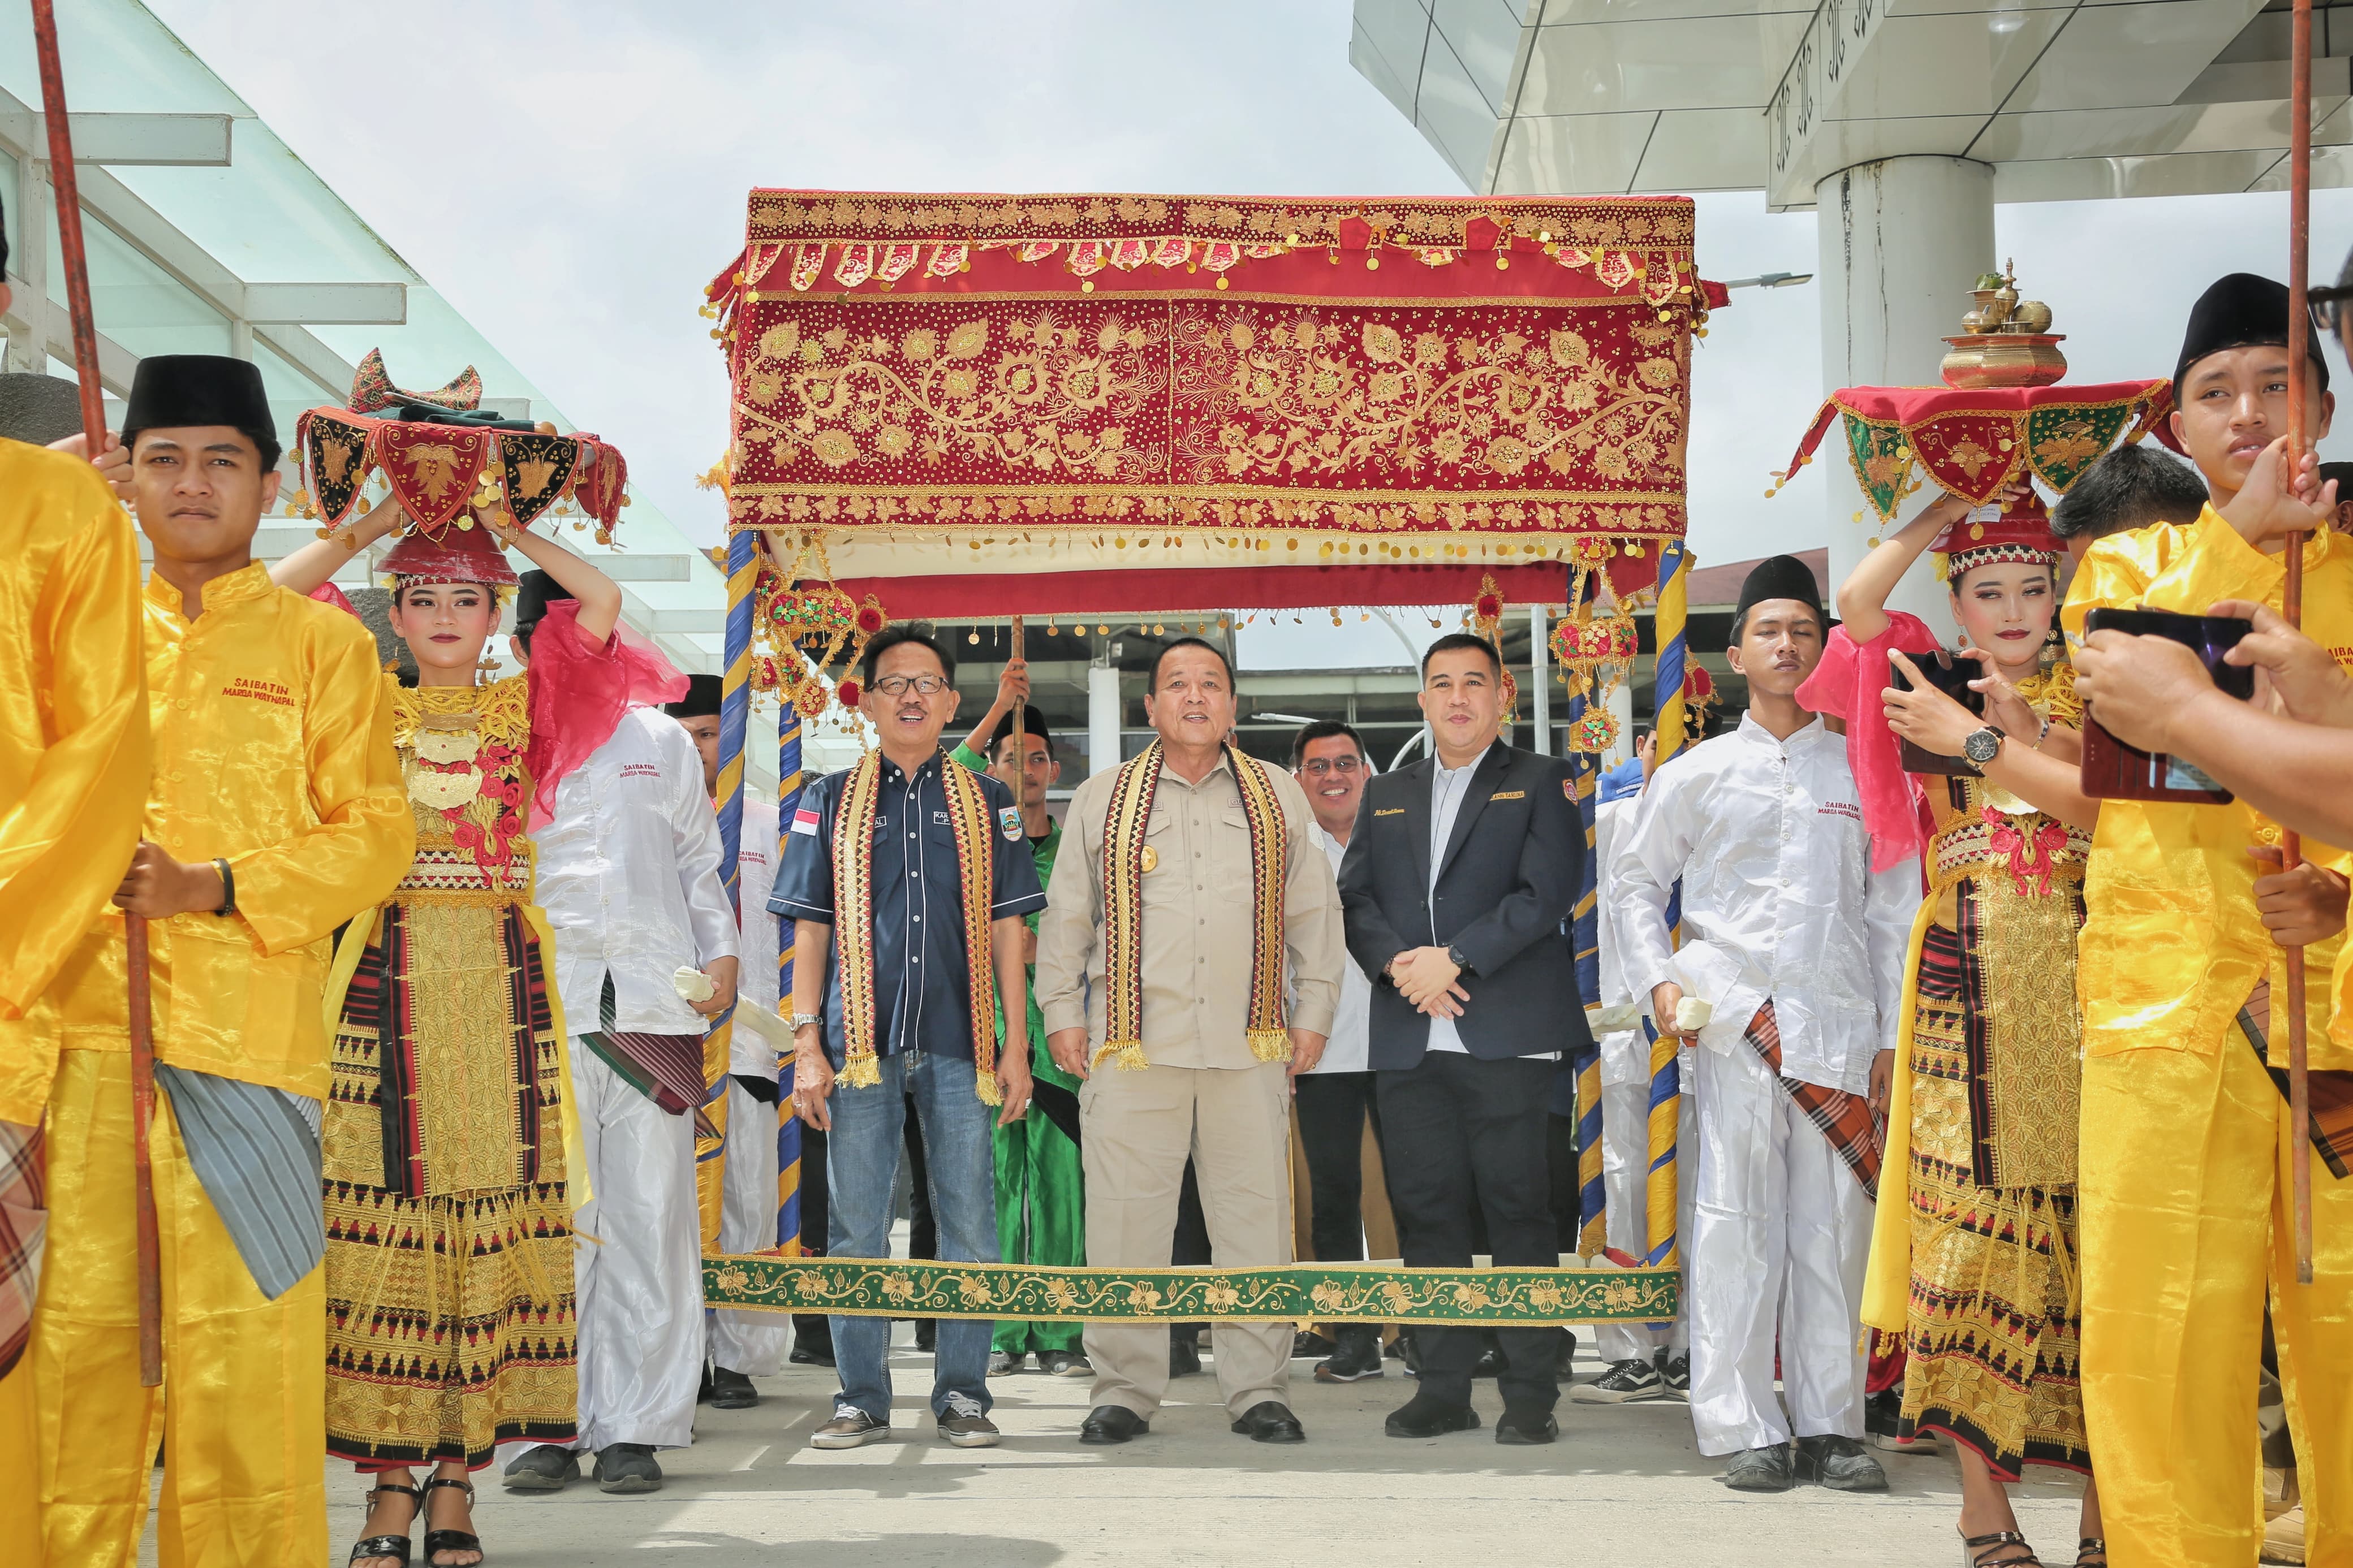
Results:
<point x="1779" y="900"/>
<point x="757" y="874"/>
<point x="629" y="874"/>
<point x="1348" y="1047"/>
<point x="1625" y="1054"/>
<point x="1447" y="788"/>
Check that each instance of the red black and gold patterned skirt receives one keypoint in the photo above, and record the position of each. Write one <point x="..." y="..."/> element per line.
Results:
<point x="1993" y="1333"/>
<point x="451" y="1321"/>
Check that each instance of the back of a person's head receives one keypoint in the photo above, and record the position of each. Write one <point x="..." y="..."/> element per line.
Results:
<point x="2130" y="488"/>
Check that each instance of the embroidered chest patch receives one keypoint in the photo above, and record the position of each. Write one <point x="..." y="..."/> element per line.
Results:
<point x="1010" y="818"/>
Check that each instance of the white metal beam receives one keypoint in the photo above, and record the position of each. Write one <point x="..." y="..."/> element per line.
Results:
<point x="181" y="141"/>
<point x="327" y="304"/>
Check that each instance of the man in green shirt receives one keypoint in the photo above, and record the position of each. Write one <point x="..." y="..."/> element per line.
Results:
<point x="1040" y="1201"/>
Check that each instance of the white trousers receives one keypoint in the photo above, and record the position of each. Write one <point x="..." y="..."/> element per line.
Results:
<point x="1625" y="1182"/>
<point x="1780" y="1239"/>
<point x="753" y="1344"/>
<point x="638" y="1269"/>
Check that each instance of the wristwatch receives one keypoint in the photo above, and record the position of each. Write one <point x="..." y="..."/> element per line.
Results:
<point x="1459" y="959"/>
<point x="1983" y="747"/>
<point x="803" y="1020"/>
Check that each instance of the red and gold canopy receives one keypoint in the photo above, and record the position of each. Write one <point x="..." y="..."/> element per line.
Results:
<point x="987" y="405"/>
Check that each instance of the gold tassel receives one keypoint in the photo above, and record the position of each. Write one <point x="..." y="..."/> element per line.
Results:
<point x="861" y="1070"/>
<point x="1130" y="1055"/>
<point x="985" y="1082"/>
<point x="1270" y="1045"/>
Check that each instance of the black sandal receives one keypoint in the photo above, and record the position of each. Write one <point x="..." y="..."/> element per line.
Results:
<point x="1972" y="1557"/>
<point x="2092" y="1546"/>
<point x="453" y="1539"/>
<point x="396" y="1546"/>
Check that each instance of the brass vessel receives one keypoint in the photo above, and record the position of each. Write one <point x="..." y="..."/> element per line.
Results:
<point x="2005" y="340"/>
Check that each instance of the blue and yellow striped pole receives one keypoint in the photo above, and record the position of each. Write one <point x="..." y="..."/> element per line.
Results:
<point x="1670" y="628"/>
<point x="1584" y="942"/>
<point x="789" y="1128"/>
<point x="734" y="712"/>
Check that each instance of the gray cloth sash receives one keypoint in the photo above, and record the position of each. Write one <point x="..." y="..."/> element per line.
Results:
<point x="256" y="1151"/>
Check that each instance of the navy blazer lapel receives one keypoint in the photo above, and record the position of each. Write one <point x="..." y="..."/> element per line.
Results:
<point x="1415" y="782"/>
<point x="1475" y="796"/>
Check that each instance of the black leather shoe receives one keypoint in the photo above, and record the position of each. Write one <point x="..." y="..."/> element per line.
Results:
<point x="732" y="1390"/>
<point x="1355" y="1358"/>
<point x="927" y="1335"/>
<point x="1841" y="1464"/>
<point x="1765" y="1469"/>
<point x="1525" y="1428"/>
<point x="1183" y="1358"/>
<point x="1109" y="1424"/>
<point x="1270" y="1421"/>
<point x="1422" y="1418"/>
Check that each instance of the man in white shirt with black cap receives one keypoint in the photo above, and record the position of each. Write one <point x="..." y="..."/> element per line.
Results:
<point x="1790" y="977"/>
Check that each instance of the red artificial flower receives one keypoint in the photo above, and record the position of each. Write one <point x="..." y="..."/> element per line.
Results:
<point x="465" y="835"/>
<point x="1488" y="606"/>
<point x="869" y="619"/>
<point x="849" y="692"/>
<point x="1698" y="684"/>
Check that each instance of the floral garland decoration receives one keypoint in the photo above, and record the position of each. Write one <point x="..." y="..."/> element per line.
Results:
<point x="1595" y="646"/>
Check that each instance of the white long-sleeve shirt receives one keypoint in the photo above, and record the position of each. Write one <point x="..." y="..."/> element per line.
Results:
<point x="628" y="873"/>
<point x="750" y="1054"/>
<point x="1348" y="1047"/>
<point x="1778" y="902"/>
<point x="1625" y="1054"/>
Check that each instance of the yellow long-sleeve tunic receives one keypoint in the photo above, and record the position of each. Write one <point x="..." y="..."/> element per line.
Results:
<point x="73" y="739"/>
<point x="272" y="751"/>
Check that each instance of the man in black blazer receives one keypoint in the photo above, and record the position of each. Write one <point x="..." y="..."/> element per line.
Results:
<point x="1456" y="882"/>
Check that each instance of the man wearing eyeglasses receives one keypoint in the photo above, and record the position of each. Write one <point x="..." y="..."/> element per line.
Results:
<point x="926" y="864"/>
<point x="1334" y="1097"/>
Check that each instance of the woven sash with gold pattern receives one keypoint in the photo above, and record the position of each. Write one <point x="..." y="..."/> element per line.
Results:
<point x="853" y="903"/>
<point x="1123" y="881"/>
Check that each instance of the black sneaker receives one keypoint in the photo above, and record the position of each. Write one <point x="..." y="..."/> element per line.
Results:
<point x="966" y="1425"/>
<point x="1355" y="1358"/>
<point x="1307" y="1344"/>
<point x="732" y="1390"/>
<point x="1765" y="1469"/>
<point x="546" y="1469"/>
<point x="1064" y="1364"/>
<point x="1675" y="1373"/>
<point x="1004" y="1363"/>
<point x="1183" y="1358"/>
<point x="1624" y="1383"/>
<point x="811" y="1351"/>
<point x="628" y="1468"/>
<point x="849" y="1428"/>
<point x="1841" y="1464"/>
<point x="1490" y="1363"/>
<point x="927" y="1335"/>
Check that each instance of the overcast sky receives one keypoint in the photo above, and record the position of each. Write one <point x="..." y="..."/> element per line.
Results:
<point x="571" y="174"/>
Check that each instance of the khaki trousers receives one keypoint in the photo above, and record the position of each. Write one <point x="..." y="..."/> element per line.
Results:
<point x="1137" y="1128"/>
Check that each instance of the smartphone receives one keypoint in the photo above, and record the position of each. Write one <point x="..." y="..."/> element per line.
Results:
<point x="2114" y="771"/>
<point x="1950" y="674"/>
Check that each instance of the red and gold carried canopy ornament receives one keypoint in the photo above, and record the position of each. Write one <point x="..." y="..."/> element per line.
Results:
<point x="440" y="458"/>
<point x="989" y="405"/>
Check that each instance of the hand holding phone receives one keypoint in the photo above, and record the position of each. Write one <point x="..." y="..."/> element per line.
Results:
<point x="2113" y="769"/>
<point x="1942" y="674"/>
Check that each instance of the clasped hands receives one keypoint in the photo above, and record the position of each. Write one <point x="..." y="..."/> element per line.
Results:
<point x="1426" y="977"/>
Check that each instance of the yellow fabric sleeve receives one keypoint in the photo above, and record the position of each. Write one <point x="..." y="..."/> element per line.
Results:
<point x="576" y="1188"/>
<point x="1887" y="1278"/>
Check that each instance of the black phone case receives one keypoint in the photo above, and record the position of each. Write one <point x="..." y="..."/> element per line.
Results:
<point x="1950" y="674"/>
<point x="2114" y="771"/>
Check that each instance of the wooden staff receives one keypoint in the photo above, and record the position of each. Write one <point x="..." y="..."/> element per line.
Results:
<point x="2299" y="329"/>
<point x="1020" y="717"/>
<point x="93" y="430"/>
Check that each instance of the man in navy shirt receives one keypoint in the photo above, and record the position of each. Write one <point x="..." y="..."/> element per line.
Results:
<point x="925" y="864"/>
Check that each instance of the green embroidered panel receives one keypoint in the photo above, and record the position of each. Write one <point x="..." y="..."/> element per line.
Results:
<point x="1297" y="1293"/>
<point x="2064" y="439"/>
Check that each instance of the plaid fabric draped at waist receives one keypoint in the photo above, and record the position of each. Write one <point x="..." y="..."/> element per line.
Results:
<point x="1844" y="1119"/>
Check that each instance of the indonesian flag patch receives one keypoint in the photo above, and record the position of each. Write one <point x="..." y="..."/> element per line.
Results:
<point x="804" y="821"/>
<point x="1010" y="818"/>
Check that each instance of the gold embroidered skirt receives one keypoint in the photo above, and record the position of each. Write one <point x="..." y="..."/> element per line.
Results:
<point x="1993" y="1335"/>
<point x="451" y="1321"/>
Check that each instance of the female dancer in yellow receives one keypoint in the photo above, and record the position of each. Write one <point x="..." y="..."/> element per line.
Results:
<point x="1973" y="1251"/>
<point x="449" y="1268"/>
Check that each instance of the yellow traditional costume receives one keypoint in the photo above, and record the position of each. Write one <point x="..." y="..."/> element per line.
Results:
<point x="451" y="1321"/>
<point x="272" y="751"/>
<point x="2184" y="1186"/>
<point x="73" y="782"/>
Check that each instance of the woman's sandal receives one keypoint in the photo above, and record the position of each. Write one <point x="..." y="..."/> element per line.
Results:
<point x="395" y="1546"/>
<point x="2094" y="1548"/>
<point x="1977" y="1551"/>
<point x="453" y="1539"/>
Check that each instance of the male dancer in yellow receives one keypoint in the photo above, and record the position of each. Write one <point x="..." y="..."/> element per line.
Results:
<point x="73" y="779"/>
<point x="2183" y="1211"/>
<point x="274" y="813"/>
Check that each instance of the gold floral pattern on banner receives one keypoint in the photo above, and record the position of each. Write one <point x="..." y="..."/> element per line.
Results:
<point x="1297" y="1293"/>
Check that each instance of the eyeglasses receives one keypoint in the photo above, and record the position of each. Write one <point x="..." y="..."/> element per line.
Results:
<point x="900" y="685"/>
<point x="1320" y="766"/>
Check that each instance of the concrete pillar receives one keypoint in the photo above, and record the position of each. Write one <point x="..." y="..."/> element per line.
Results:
<point x="1902" y="242"/>
<point x="1622" y="703"/>
<point x="1103" y="717"/>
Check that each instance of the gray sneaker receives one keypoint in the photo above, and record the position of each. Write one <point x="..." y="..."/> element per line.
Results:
<point x="1624" y="1383"/>
<point x="546" y="1469"/>
<point x="1841" y="1464"/>
<point x="628" y="1468"/>
<point x="1064" y="1364"/>
<point x="1004" y="1363"/>
<point x="849" y="1428"/>
<point x="966" y="1425"/>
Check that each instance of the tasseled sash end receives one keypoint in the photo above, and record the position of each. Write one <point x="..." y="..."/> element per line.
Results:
<point x="861" y="1070"/>
<point x="1270" y="1045"/>
<point x="1129" y="1054"/>
<point x="985" y="1084"/>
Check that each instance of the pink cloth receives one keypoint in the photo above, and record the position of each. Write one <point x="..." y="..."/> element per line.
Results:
<point x="328" y="593"/>
<point x="578" y="694"/>
<point x="1846" y="685"/>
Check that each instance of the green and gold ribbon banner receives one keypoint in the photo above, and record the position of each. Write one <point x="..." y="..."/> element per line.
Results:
<point x="1302" y="1292"/>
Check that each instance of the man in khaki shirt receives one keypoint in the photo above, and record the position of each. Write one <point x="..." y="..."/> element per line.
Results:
<point x="1205" y="1093"/>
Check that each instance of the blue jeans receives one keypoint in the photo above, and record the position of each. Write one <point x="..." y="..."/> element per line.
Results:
<point x="861" y="1167"/>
